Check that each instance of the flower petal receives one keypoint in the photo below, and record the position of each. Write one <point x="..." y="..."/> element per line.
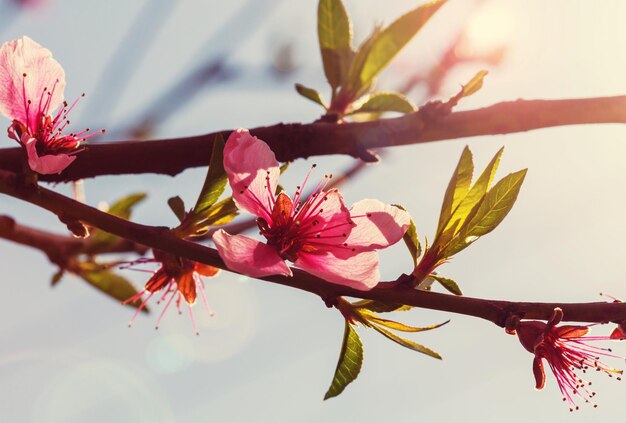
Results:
<point x="252" y="171"/>
<point x="358" y="271"/>
<point x="570" y="331"/>
<point x="378" y="225"/>
<point x="48" y="164"/>
<point x="159" y="280"/>
<point x="249" y="256"/>
<point x="538" y="372"/>
<point x="618" y="333"/>
<point x="186" y="285"/>
<point x="25" y="56"/>
<point x="325" y="221"/>
<point x="205" y="269"/>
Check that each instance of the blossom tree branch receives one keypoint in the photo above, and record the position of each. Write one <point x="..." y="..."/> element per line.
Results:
<point x="58" y="248"/>
<point x="161" y="238"/>
<point x="291" y="141"/>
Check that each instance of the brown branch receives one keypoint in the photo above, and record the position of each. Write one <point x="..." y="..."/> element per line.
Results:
<point x="60" y="249"/>
<point x="56" y="247"/>
<point x="161" y="238"/>
<point x="292" y="141"/>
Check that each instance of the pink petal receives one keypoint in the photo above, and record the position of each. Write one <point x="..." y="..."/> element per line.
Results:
<point x="249" y="256"/>
<point x="48" y="164"/>
<point x="252" y="171"/>
<point x="25" y="56"/>
<point x="326" y="207"/>
<point x="378" y="225"/>
<point x="359" y="271"/>
<point x="325" y="221"/>
<point x="618" y="333"/>
<point x="538" y="372"/>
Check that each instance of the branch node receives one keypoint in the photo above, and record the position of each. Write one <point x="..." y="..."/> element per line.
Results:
<point x="366" y="155"/>
<point x="331" y="302"/>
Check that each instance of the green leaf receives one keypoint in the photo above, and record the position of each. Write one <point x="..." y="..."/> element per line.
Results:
<point x="368" y="62"/>
<point x="123" y="209"/>
<point x="386" y="102"/>
<point x="457" y="188"/>
<point x="412" y="242"/>
<point x="411" y="239"/>
<point x="311" y="94"/>
<point x="391" y="324"/>
<point x="353" y="84"/>
<point x="407" y="343"/>
<point x="380" y="307"/>
<point x="475" y="84"/>
<point x="349" y="364"/>
<point x="334" y="32"/>
<point x="110" y="283"/>
<point x="468" y="89"/>
<point x="448" y="284"/>
<point x="124" y="206"/>
<point x="218" y="214"/>
<point x="475" y="194"/>
<point x="497" y="203"/>
<point x="178" y="207"/>
<point x="215" y="182"/>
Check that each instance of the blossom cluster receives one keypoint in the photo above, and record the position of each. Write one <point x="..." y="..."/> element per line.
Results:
<point x="318" y="233"/>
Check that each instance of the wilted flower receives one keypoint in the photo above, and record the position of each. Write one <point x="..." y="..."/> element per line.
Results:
<point x="31" y="89"/>
<point x="318" y="234"/>
<point x="178" y="278"/>
<point x="567" y="351"/>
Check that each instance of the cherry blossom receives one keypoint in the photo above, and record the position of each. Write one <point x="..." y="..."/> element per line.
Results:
<point x="178" y="278"/>
<point x="32" y="83"/>
<point x="318" y="234"/>
<point x="567" y="351"/>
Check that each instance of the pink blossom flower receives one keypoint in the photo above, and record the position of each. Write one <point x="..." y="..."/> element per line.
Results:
<point x="566" y="350"/>
<point x="178" y="278"/>
<point x="318" y="234"/>
<point x="31" y="89"/>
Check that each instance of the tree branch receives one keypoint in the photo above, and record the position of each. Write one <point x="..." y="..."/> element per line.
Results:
<point x="292" y="141"/>
<point x="60" y="249"/>
<point x="161" y="238"/>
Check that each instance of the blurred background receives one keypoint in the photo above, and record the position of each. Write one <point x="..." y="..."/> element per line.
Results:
<point x="168" y="69"/>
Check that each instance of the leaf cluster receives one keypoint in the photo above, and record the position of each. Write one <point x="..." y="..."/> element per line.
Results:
<point x="351" y="354"/>
<point x="468" y="212"/>
<point x="352" y="72"/>
<point x="207" y="211"/>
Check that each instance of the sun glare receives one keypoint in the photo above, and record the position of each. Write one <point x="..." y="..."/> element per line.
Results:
<point x="489" y="29"/>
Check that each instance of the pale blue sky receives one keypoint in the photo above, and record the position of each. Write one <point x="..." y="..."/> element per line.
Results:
<point x="269" y="352"/>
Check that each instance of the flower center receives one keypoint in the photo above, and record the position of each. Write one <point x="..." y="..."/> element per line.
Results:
<point x="282" y="233"/>
<point x="48" y="129"/>
<point x="295" y="226"/>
